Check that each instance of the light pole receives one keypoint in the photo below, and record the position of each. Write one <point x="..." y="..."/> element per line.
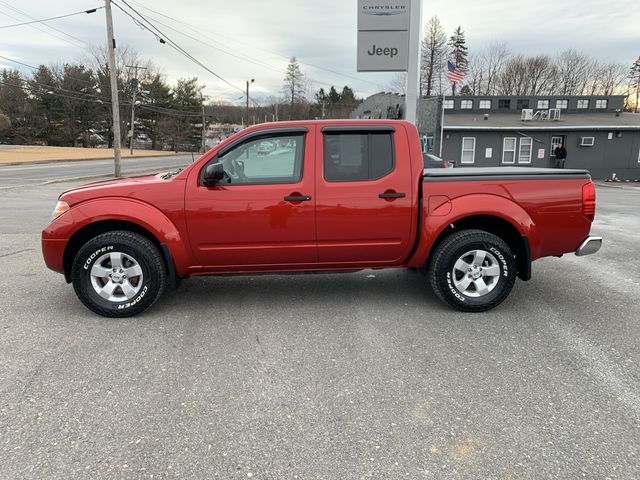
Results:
<point x="247" y="109"/>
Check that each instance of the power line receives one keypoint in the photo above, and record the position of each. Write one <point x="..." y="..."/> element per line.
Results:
<point x="19" y="63"/>
<point x="171" y="43"/>
<point x="92" y="10"/>
<point x="335" y="72"/>
<point x="44" y="24"/>
<point x="165" y="39"/>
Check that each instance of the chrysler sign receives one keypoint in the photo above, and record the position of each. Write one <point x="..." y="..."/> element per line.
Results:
<point x="383" y="15"/>
<point x="383" y="35"/>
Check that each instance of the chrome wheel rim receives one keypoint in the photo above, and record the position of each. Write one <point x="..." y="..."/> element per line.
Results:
<point x="116" y="277"/>
<point x="476" y="273"/>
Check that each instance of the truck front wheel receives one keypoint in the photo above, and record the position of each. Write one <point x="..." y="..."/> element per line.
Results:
<point x="118" y="274"/>
<point x="472" y="270"/>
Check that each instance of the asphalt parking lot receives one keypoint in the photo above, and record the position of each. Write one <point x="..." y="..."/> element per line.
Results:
<point x="362" y="375"/>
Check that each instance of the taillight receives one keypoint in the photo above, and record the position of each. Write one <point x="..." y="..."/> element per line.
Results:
<point x="589" y="201"/>
<point x="445" y="164"/>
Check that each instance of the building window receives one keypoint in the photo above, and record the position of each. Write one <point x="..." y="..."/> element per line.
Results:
<point x="602" y="103"/>
<point x="448" y="104"/>
<point x="562" y="104"/>
<point x="543" y="104"/>
<point x="468" y="150"/>
<point x="466" y="104"/>
<point x="524" y="154"/>
<point x="485" y="104"/>
<point x="357" y="156"/>
<point x="509" y="149"/>
<point x="582" y="104"/>
<point x="504" y="104"/>
<point x="522" y="103"/>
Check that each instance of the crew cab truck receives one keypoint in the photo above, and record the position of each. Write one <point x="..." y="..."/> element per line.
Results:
<point x="329" y="196"/>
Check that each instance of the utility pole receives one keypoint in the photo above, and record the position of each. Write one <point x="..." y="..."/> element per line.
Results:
<point x="115" y="105"/>
<point x="323" y="109"/>
<point x="247" y="110"/>
<point x="134" y="88"/>
<point x="204" y="131"/>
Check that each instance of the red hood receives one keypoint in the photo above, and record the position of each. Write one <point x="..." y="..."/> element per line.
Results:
<point x="120" y="187"/>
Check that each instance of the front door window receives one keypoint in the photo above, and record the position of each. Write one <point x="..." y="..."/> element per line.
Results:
<point x="264" y="160"/>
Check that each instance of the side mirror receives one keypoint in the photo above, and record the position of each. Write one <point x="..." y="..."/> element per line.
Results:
<point x="213" y="173"/>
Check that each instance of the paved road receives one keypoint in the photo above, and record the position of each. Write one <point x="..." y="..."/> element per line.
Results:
<point x="12" y="176"/>
<point x="352" y="376"/>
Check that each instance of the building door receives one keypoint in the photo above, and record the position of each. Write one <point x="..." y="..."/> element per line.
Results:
<point x="555" y="141"/>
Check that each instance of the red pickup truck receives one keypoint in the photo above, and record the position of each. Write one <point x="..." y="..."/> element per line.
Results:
<point x="325" y="196"/>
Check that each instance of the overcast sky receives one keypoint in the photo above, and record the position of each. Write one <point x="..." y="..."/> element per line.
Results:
<point x="320" y="33"/>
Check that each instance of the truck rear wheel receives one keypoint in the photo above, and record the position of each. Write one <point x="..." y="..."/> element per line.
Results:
<point x="472" y="270"/>
<point x="118" y="274"/>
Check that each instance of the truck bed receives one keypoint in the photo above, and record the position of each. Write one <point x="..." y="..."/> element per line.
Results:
<point x="500" y="173"/>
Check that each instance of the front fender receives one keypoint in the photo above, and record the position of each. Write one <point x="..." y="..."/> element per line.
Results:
<point x="440" y="212"/>
<point x="139" y="213"/>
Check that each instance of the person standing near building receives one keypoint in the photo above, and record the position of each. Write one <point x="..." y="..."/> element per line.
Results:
<point x="561" y="155"/>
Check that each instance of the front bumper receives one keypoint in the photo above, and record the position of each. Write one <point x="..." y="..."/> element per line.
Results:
<point x="590" y="245"/>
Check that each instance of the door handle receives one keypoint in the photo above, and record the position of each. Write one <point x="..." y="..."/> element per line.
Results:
<point x="297" y="198"/>
<point x="392" y="194"/>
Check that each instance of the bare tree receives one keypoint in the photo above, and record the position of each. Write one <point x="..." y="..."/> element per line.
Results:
<point x="494" y="59"/>
<point x="609" y="78"/>
<point x="634" y="83"/>
<point x="398" y="83"/>
<point x="485" y="68"/>
<point x="433" y="55"/>
<point x="574" y="70"/>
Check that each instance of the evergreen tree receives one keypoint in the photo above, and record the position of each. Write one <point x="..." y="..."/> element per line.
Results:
<point x="459" y="53"/>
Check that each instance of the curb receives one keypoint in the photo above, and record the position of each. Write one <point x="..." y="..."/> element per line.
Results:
<point x="40" y="162"/>
<point x="619" y="185"/>
<point x="109" y="175"/>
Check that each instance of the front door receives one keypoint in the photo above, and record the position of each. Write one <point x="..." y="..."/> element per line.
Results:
<point x="363" y="189"/>
<point x="262" y="214"/>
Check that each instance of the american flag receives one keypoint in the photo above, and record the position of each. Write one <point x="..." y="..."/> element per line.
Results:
<point x="454" y="74"/>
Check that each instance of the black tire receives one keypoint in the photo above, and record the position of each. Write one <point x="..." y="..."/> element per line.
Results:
<point x="444" y="279"/>
<point x="134" y="249"/>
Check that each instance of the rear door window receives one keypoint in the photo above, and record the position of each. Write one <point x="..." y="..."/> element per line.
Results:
<point x="357" y="156"/>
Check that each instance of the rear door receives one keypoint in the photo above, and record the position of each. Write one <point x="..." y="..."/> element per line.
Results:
<point x="262" y="215"/>
<point x="363" y="195"/>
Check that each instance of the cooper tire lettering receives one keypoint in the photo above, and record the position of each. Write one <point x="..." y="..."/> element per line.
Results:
<point x="95" y="254"/>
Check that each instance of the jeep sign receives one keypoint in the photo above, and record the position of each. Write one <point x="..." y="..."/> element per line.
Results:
<point x="383" y="51"/>
<point x="383" y="35"/>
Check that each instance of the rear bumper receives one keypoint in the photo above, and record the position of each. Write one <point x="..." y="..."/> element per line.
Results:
<point x="590" y="245"/>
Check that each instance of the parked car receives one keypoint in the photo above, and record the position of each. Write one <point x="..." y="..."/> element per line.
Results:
<point x="348" y="195"/>
<point x="266" y="148"/>
<point x="431" y="161"/>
